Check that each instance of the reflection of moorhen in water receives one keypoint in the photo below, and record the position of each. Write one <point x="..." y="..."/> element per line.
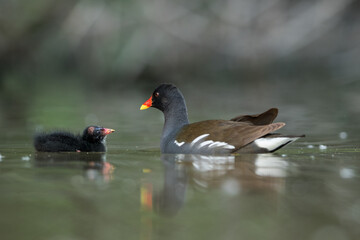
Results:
<point x="92" y="140"/>
<point x="248" y="133"/>
<point x="246" y="173"/>
<point x="172" y="197"/>
<point x="243" y="174"/>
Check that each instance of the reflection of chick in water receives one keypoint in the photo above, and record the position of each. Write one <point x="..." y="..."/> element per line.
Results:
<point x="94" y="164"/>
<point x="95" y="170"/>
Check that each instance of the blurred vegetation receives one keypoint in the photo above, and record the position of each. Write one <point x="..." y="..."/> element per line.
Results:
<point x="277" y="47"/>
<point x="122" y="42"/>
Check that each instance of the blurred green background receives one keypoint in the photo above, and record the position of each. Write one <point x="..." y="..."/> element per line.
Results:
<point x="104" y="43"/>
<point x="89" y="59"/>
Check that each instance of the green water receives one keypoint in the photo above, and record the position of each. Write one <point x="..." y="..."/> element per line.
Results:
<point x="134" y="192"/>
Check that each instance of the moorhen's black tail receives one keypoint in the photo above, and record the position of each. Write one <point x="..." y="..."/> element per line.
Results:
<point x="269" y="143"/>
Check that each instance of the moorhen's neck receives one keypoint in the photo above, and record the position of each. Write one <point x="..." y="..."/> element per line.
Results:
<point x="175" y="117"/>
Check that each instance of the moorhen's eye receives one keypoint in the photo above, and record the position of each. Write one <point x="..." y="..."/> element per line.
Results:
<point x="156" y="94"/>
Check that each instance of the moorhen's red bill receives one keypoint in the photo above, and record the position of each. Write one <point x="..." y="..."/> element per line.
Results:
<point x="245" y="133"/>
<point x="92" y="140"/>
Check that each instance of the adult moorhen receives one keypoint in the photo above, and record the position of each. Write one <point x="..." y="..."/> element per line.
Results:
<point x="246" y="133"/>
<point x="92" y="140"/>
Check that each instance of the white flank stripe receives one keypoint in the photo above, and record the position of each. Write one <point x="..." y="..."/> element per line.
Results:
<point x="216" y="145"/>
<point x="210" y="144"/>
<point x="228" y="146"/>
<point x="179" y="144"/>
<point x="198" y="139"/>
<point x="203" y="144"/>
<point x="272" y="143"/>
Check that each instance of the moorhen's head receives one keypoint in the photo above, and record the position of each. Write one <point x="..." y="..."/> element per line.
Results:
<point x="95" y="134"/>
<point x="164" y="96"/>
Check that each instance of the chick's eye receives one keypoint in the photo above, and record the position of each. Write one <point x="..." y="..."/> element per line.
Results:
<point x="156" y="94"/>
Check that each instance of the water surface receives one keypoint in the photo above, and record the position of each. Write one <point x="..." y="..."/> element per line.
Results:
<point x="308" y="190"/>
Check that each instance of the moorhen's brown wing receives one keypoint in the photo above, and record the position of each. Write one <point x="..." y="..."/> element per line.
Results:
<point x="258" y="119"/>
<point x="237" y="134"/>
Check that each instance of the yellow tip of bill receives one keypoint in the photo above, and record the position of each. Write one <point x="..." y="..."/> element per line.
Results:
<point x="143" y="107"/>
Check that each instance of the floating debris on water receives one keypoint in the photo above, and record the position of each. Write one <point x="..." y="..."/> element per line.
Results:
<point x="283" y="155"/>
<point x="146" y="170"/>
<point x="25" y="158"/>
<point x="310" y="146"/>
<point x="343" y="135"/>
<point x="347" y="173"/>
<point x="1" y="157"/>
<point x="231" y="187"/>
<point x="322" y="147"/>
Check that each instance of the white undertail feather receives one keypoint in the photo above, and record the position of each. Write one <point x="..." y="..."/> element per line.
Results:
<point x="272" y="144"/>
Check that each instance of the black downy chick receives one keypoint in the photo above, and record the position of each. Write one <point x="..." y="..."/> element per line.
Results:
<point x="92" y="140"/>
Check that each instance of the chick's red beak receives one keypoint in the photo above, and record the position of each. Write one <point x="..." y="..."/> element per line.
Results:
<point x="146" y="104"/>
<point x="107" y="131"/>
